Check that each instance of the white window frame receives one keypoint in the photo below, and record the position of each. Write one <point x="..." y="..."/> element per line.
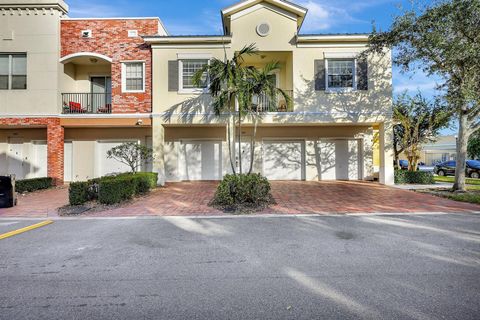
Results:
<point x="354" y="76"/>
<point x="124" y="76"/>
<point x="133" y="33"/>
<point x="191" y="56"/>
<point x="10" y="70"/>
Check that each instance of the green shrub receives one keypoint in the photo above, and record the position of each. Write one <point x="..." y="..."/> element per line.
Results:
<point x="413" y="177"/>
<point x="144" y="180"/>
<point x="78" y="193"/>
<point x="243" y="190"/>
<point x="30" y="185"/>
<point x="113" y="189"/>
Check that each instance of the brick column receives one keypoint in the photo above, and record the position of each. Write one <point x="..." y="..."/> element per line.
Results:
<point x="55" y="144"/>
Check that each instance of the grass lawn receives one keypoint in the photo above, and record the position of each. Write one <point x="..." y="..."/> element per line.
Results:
<point x="471" y="197"/>
<point x="452" y="179"/>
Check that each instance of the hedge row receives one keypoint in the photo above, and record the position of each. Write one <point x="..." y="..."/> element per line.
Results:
<point x="413" y="177"/>
<point x="112" y="189"/>
<point x="30" y="185"/>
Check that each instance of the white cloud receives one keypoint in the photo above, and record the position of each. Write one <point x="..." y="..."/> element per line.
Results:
<point x="323" y="15"/>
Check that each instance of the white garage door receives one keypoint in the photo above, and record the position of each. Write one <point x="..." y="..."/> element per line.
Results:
<point x="283" y="160"/>
<point x="68" y="161"/>
<point x="200" y="160"/>
<point x="107" y="166"/>
<point x="339" y="160"/>
<point x="39" y="166"/>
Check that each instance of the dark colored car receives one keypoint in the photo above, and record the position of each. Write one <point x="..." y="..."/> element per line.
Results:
<point x="447" y="168"/>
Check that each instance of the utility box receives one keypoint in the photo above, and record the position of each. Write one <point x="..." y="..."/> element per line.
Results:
<point x="8" y="197"/>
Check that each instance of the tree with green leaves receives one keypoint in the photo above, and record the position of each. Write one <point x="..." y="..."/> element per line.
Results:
<point x="132" y="154"/>
<point x="474" y="146"/>
<point x="240" y="92"/>
<point x="417" y="121"/>
<point x="442" y="39"/>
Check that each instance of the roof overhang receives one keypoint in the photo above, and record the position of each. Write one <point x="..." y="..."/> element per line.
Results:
<point x="80" y="55"/>
<point x="181" y="40"/>
<point x="288" y="6"/>
<point x="317" y="38"/>
<point x="59" y="5"/>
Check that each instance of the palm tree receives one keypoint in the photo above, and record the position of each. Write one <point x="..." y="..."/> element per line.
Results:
<point x="236" y="88"/>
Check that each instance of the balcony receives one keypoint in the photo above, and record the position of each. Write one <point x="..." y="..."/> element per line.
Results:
<point x="86" y="103"/>
<point x="277" y="104"/>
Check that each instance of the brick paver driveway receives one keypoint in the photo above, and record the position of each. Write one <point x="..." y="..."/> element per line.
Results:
<point x="39" y="204"/>
<point x="293" y="197"/>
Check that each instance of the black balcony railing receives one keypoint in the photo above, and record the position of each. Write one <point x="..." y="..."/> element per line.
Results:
<point x="79" y="103"/>
<point x="278" y="103"/>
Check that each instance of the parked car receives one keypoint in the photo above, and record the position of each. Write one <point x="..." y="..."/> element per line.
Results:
<point x="404" y="164"/>
<point x="447" y="168"/>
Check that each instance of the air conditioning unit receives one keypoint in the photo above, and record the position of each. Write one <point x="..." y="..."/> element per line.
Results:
<point x="86" y="33"/>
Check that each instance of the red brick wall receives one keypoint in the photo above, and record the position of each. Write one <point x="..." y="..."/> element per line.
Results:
<point x="55" y="142"/>
<point x="110" y="38"/>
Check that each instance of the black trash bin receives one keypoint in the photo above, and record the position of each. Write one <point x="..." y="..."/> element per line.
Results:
<point x="8" y="196"/>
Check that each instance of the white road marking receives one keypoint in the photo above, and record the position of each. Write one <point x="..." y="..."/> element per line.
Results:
<point x="8" y="223"/>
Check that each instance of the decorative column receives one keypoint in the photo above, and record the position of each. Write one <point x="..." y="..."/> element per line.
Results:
<point x="386" y="153"/>
<point x="158" y="142"/>
<point x="55" y="144"/>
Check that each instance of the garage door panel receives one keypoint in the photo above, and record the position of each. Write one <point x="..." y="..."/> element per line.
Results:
<point x="200" y="160"/>
<point x="353" y="160"/>
<point x="327" y="160"/>
<point x="339" y="160"/>
<point x="283" y="160"/>
<point x="39" y="167"/>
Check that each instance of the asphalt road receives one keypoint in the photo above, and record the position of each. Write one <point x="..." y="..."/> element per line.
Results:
<point x="375" y="267"/>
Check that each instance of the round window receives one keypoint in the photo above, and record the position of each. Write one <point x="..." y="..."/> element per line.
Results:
<point x="263" y="29"/>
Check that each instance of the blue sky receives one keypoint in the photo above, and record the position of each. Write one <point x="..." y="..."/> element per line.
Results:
<point x="203" y="17"/>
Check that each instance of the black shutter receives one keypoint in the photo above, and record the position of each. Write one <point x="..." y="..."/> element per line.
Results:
<point x="362" y="74"/>
<point x="173" y="75"/>
<point x="319" y="70"/>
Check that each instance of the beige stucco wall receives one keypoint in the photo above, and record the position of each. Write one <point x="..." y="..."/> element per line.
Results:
<point x="84" y="142"/>
<point x="297" y="73"/>
<point x="76" y="77"/>
<point x="320" y="108"/>
<point x="38" y="35"/>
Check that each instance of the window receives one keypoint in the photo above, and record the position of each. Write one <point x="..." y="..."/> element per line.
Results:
<point x="132" y="33"/>
<point x="340" y="74"/>
<point x="133" y="77"/>
<point x="13" y="71"/>
<point x="188" y="68"/>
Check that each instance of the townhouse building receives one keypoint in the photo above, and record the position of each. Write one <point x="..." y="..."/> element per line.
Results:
<point x="90" y="84"/>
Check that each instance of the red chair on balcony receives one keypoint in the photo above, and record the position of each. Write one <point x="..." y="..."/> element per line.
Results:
<point x="76" y="107"/>
<point x="106" y="109"/>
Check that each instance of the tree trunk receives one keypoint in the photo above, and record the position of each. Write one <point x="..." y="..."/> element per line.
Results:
<point x="240" y="140"/>
<point x="397" y="160"/>
<point x="462" y="143"/>
<point x="252" y="144"/>
<point x="230" y="141"/>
